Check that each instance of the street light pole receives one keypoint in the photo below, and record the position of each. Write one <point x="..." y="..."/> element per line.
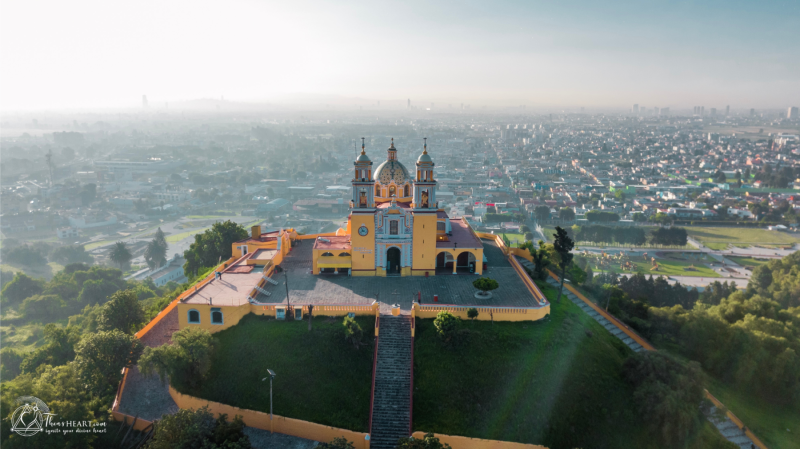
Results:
<point x="286" y="278"/>
<point x="271" y="376"/>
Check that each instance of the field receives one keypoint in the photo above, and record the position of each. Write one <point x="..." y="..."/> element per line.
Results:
<point x="320" y="377"/>
<point x="40" y="271"/>
<point x="718" y="238"/>
<point x="668" y="267"/>
<point x="555" y="383"/>
<point x="748" y="261"/>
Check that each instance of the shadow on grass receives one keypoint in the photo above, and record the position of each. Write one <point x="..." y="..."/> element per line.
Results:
<point x="320" y="377"/>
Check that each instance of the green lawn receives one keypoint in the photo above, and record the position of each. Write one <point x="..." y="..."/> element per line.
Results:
<point x="718" y="238"/>
<point x="546" y="382"/>
<point x="320" y="377"/>
<point x="93" y="245"/>
<point x="38" y="271"/>
<point x="748" y="261"/>
<point x="178" y="237"/>
<point x="777" y="426"/>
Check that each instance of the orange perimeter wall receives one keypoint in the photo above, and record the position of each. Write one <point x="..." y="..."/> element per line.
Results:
<point x="475" y="443"/>
<point x="280" y="424"/>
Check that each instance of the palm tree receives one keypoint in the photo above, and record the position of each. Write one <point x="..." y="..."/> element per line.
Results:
<point x="156" y="252"/>
<point x="120" y="254"/>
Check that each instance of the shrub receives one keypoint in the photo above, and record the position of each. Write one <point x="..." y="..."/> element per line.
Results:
<point x="446" y="325"/>
<point x="472" y="313"/>
<point x="353" y="331"/>
<point x="187" y="361"/>
<point x="485" y="284"/>
<point x="337" y="443"/>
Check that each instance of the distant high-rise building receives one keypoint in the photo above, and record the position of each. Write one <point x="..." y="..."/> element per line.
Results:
<point x="752" y="112"/>
<point x="727" y="110"/>
<point x="655" y="111"/>
<point x="702" y="111"/>
<point x="792" y="112"/>
<point x="713" y="112"/>
<point x="144" y="101"/>
<point x="635" y="108"/>
<point x="664" y="111"/>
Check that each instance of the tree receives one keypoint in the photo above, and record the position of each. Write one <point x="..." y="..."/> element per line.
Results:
<point x="427" y="442"/>
<point x="21" y="287"/>
<point x="639" y="217"/>
<point x="668" y="392"/>
<point x="156" y="252"/>
<point x="619" y="194"/>
<point x="540" y="261"/>
<point x="101" y="356"/>
<point x="566" y="214"/>
<point x="189" y="429"/>
<point x="337" y="443"/>
<point x="44" y="307"/>
<point x="120" y="255"/>
<point x="353" y="331"/>
<point x="541" y="213"/>
<point x="601" y="216"/>
<point x="472" y="313"/>
<point x="60" y="348"/>
<point x="186" y="361"/>
<point x="485" y="284"/>
<point x="97" y="291"/>
<point x="122" y="312"/>
<point x="211" y="245"/>
<point x="71" y="254"/>
<point x="446" y="325"/>
<point x="563" y="246"/>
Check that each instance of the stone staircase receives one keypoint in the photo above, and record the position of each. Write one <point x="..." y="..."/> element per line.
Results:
<point x="391" y="408"/>
<point x="726" y="427"/>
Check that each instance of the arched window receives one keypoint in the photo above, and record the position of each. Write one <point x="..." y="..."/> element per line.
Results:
<point x="391" y="191"/>
<point x="194" y="316"/>
<point x="344" y="254"/>
<point x="216" y="316"/>
<point x="377" y="191"/>
<point x="327" y="254"/>
<point x="406" y="191"/>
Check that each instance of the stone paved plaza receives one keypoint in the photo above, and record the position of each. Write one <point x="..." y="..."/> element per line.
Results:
<point x="306" y="288"/>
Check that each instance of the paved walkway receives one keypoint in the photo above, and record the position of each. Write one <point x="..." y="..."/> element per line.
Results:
<point x="306" y="288"/>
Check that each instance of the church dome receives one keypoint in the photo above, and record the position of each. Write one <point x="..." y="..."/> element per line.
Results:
<point x="363" y="157"/>
<point x="424" y="157"/>
<point x="391" y="170"/>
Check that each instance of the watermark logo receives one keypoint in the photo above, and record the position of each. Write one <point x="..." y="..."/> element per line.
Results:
<point x="29" y="418"/>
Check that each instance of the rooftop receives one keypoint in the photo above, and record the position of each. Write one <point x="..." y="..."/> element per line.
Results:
<point x="231" y="289"/>
<point x="462" y="236"/>
<point x="332" y="242"/>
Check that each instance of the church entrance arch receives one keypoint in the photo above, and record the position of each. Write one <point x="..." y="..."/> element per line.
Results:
<point x="466" y="262"/>
<point x="393" y="261"/>
<point x="440" y="260"/>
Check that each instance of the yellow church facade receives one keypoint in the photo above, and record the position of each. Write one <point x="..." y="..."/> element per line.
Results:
<point x="395" y="226"/>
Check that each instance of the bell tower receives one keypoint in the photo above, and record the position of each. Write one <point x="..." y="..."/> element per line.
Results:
<point x="424" y="184"/>
<point x="363" y="192"/>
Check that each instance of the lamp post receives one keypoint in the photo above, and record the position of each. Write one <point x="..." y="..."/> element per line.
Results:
<point x="271" y="376"/>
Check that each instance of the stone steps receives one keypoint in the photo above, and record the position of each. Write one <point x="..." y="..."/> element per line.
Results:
<point x="391" y="408"/>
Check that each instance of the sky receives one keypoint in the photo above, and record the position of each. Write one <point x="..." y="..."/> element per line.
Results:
<point x="107" y="54"/>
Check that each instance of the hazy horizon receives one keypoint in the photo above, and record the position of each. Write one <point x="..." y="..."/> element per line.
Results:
<point x="93" y="54"/>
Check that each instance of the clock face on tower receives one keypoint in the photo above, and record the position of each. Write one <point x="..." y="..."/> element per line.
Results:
<point x="363" y="231"/>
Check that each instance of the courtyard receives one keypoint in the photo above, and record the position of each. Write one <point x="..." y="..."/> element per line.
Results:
<point x="341" y="289"/>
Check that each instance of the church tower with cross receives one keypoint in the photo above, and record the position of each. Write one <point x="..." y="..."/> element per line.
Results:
<point x="395" y="226"/>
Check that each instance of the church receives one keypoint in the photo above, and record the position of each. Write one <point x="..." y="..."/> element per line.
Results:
<point x="395" y="226"/>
